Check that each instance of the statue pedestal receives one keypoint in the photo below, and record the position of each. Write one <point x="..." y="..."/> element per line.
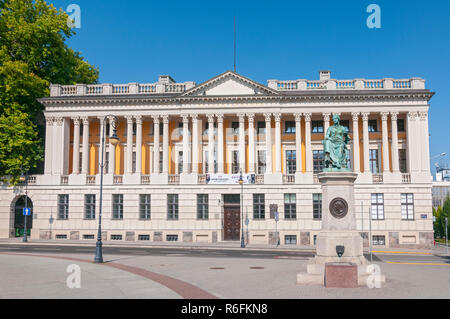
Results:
<point x="338" y="229"/>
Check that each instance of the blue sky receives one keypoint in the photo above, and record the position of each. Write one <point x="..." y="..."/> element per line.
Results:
<point x="135" y="41"/>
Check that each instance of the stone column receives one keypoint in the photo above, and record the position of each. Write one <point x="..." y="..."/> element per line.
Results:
<point x="195" y="149"/>
<point x="156" y="146"/>
<point x="85" y="158"/>
<point x="76" y="146"/>
<point x="394" y="150"/>
<point x="365" y="116"/>
<point x="251" y="143"/>
<point x="425" y="145"/>
<point x="138" y="144"/>
<point x="309" y="155"/>
<point x="165" y="144"/>
<point x="129" y="157"/>
<point x="298" y="142"/>
<point x="101" y="120"/>
<point x="49" y="144"/>
<point x="268" y="117"/>
<point x="186" y="141"/>
<point x="57" y="146"/>
<point x="220" y="161"/>
<point x="326" y="123"/>
<point x="356" y="157"/>
<point x="210" y="143"/>
<point x="242" y="142"/>
<point x="277" y="142"/>
<point x="384" y="127"/>
<point x="112" y="148"/>
<point x="411" y="142"/>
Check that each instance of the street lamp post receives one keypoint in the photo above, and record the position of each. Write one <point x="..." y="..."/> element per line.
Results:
<point x="241" y="181"/>
<point x="114" y="140"/>
<point x="24" y="178"/>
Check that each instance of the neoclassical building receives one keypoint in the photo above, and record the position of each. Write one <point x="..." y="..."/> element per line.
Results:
<point x="174" y="175"/>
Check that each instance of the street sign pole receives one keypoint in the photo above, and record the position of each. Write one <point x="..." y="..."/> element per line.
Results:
<point x="370" y="232"/>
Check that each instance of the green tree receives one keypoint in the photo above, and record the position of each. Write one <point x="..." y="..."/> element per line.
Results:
<point x="446" y="214"/>
<point x="437" y="224"/>
<point x="33" y="54"/>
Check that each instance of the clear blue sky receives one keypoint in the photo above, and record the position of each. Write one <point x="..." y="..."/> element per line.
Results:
<point x="135" y="41"/>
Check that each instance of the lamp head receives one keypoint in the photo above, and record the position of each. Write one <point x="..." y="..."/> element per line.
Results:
<point x="22" y="178"/>
<point x="340" y="250"/>
<point x="114" y="139"/>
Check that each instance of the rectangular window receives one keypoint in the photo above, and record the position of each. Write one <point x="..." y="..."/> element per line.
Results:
<point x="258" y="206"/>
<point x="89" y="206"/>
<point x="373" y="126"/>
<point x="202" y="206"/>
<point x="235" y="163"/>
<point x="318" y="161"/>
<point x="291" y="162"/>
<point x="88" y="237"/>
<point x="407" y="206"/>
<point x="346" y="124"/>
<point x="378" y="240"/>
<point x="180" y="162"/>
<point x="117" y="206"/>
<point x="317" y="206"/>
<point x="144" y="206"/>
<point x="400" y="125"/>
<point x="377" y="206"/>
<point x="134" y="162"/>
<point x="290" y="240"/>
<point x="172" y="206"/>
<point x="116" y="237"/>
<point x="61" y="236"/>
<point x="317" y="126"/>
<point x="134" y="129"/>
<point x="207" y="127"/>
<point x="261" y="162"/>
<point x="144" y="237"/>
<point x="160" y="161"/>
<point x="235" y="128"/>
<point x="289" y="127"/>
<point x="171" y="237"/>
<point x="207" y="162"/>
<point x="63" y="206"/>
<point x="402" y="161"/>
<point x="373" y="158"/>
<point x="261" y="128"/>
<point x="161" y="129"/>
<point x="290" y="206"/>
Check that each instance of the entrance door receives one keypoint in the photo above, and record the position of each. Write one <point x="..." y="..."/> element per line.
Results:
<point x="232" y="222"/>
<point x="19" y="219"/>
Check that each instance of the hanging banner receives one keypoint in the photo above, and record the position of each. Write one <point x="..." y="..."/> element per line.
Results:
<point x="229" y="179"/>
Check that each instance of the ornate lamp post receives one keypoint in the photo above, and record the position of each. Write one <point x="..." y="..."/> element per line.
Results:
<point x="24" y="179"/>
<point x="114" y="140"/>
<point x="241" y="181"/>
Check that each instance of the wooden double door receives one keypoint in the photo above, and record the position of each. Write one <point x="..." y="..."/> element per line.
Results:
<point x="232" y="222"/>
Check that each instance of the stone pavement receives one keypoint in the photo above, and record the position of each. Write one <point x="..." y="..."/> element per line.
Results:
<point x="178" y="275"/>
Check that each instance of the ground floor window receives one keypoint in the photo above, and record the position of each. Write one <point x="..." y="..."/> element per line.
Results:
<point x="63" y="206"/>
<point x="117" y="205"/>
<point x="378" y="240"/>
<point x="290" y="206"/>
<point x="172" y="206"/>
<point x="258" y="206"/>
<point x="89" y="206"/>
<point x="407" y="206"/>
<point x="171" y="237"/>
<point x="202" y="206"/>
<point x="317" y="206"/>
<point x="290" y="240"/>
<point x="377" y="206"/>
<point x="144" y="206"/>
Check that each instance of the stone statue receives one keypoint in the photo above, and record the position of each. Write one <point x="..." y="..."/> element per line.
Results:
<point x="335" y="147"/>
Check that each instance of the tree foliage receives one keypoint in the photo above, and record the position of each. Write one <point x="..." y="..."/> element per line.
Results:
<point x="33" y="54"/>
<point x="440" y="214"/>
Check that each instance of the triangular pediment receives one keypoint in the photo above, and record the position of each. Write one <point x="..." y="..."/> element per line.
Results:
<point x="230" y="83"/>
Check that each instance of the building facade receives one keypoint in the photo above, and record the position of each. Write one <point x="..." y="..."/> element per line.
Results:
<point x="174" y="174"/>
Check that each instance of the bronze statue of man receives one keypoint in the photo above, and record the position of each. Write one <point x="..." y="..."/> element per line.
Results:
<point x="335" y="147"/>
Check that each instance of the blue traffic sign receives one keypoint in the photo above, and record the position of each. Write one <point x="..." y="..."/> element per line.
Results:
<point x="27" y="212"/>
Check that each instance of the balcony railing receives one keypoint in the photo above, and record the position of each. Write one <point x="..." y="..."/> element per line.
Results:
<point x="377" y="178"/>
<point x="118" y="180"/>
<point x="64" y="180"/>
<point x="202" y="179"/>
<point x="289" y="179"/>
<point x="145" y="179"/>
<point x="174" y="179"/>
<point x="406" y="178"/>
<point x="90" y="179"/>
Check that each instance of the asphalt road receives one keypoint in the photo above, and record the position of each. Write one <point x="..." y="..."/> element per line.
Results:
<point x="156" y="251"/>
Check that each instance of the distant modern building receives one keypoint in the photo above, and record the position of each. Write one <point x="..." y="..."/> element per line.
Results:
<point x="441" y="187"/>
<point x="174" y="174"/>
